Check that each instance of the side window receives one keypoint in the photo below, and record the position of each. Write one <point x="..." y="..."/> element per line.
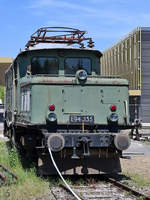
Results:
<point x="74" y="64"/>
<point x="44" y="65"/>
<point x="25" y="99"/>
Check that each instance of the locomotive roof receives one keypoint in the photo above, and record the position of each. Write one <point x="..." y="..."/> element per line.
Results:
<point x="97" y="52"/>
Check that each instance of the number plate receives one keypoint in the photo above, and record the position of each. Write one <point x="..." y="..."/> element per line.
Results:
<point x="78" y="119"/>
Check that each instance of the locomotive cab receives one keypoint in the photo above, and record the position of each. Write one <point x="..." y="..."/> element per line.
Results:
<point x="59" y="100"/>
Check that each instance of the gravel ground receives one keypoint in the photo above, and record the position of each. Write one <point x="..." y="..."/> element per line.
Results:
<point x="138" y="166"/>
<point x="101" y="191"/>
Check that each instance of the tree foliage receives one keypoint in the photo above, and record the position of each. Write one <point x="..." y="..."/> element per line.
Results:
<point x="2" y="94"/>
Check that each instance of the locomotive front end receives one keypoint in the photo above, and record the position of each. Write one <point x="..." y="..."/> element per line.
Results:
<point x="80" y="114"/>
<point x="62" y="103"/>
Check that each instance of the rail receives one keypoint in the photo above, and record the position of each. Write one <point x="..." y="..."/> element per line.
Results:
<point x="6" y="176"/>
<point x="127" y="188"/>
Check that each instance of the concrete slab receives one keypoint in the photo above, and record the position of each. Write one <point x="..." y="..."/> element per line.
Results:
<point x="138" y="148"/>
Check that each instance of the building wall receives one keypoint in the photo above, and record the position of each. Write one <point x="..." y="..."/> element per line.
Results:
<point x="4" y="64"/>
<point x="130" y="59"/>
<point x="124" y="59"/>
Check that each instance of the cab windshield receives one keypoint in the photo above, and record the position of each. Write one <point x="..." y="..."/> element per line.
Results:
<point x="72" y="65"/>
<point x="43" y="65"/>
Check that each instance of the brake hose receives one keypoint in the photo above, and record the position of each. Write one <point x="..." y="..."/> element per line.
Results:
<point x="54" y="163"/>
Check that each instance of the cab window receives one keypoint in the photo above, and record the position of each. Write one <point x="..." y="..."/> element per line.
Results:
<point x="44" y="65"/>
<point x="74" y="64"/>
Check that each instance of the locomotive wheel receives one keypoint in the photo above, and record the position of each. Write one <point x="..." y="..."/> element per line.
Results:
<point x="13" y="139"/>
<point x="15" y="144"/>
<point x="28" y="156"/>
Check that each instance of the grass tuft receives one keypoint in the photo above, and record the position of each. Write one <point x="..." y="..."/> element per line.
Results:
<point x="28" y="186"/>
<point x="139" y="180"/>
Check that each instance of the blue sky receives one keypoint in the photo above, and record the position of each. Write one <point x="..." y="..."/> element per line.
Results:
<point x="106" y="21"/>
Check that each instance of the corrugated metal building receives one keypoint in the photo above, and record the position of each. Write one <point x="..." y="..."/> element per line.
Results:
<point x="130" y="59"/>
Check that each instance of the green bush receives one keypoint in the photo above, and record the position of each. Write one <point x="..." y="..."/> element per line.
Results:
<point x="2" y="94"/>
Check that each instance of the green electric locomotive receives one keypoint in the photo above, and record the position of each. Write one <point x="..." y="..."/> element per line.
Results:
<point x="56" y="98"/>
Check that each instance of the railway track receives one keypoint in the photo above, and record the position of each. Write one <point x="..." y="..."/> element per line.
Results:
<point x="111" y="189"/>
<point x="108" y="189"/>
<point x="127" y="188"/>
<point x="6" y="176"/>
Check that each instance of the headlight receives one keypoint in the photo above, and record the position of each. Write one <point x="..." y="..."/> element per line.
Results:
<point x="81" y="75"/>
<point x="52" y="117"/>
<point x="113" y="117"/>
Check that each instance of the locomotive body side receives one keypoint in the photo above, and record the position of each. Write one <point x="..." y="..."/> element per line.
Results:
<point x="57" y="98"/>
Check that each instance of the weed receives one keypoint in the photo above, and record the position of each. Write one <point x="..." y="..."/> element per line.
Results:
<point x="13" y="158"/>
<point x="80" y="181"/>
<point x="53" y="181"/>
<point x="141" y="198"/>
<point x="4" y="154"/>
